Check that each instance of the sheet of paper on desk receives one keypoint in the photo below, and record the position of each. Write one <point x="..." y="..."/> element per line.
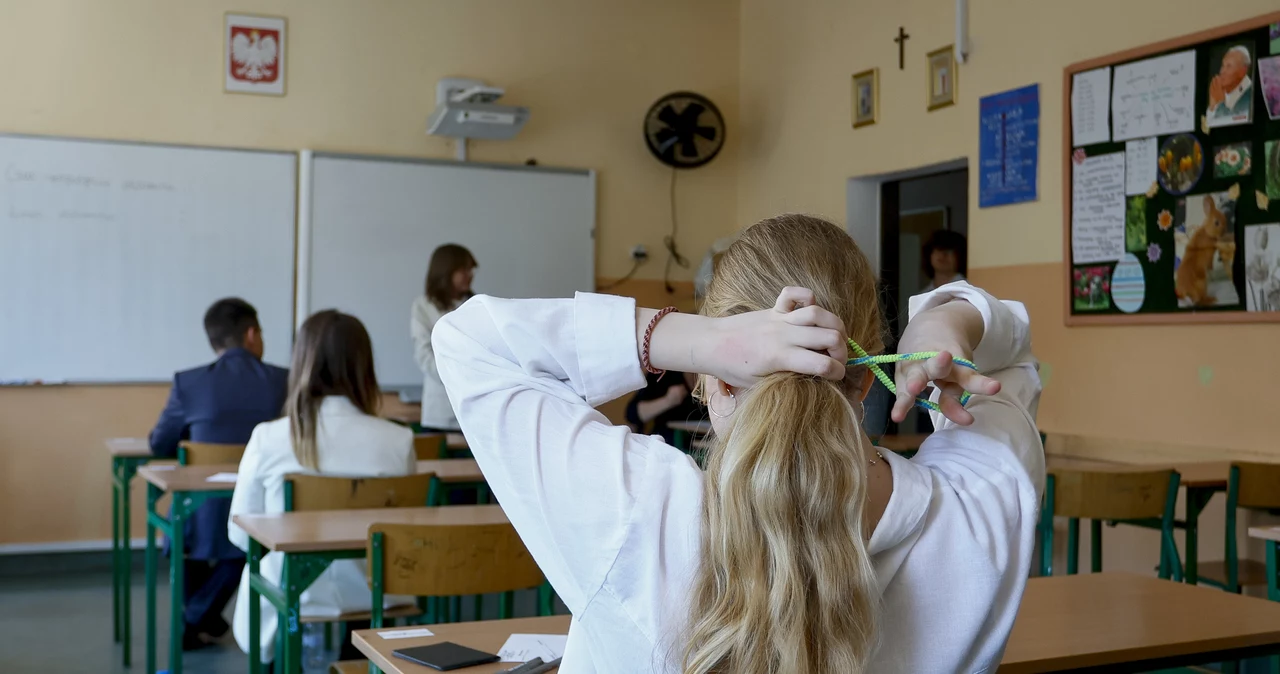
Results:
<point x="221" y="477"/>
<point x="406" y="634"/>
<point x="523" y="647"/>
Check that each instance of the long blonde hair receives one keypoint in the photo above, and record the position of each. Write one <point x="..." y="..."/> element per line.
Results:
<point x="785" y="583"/>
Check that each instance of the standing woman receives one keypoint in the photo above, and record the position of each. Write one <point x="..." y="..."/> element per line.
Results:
<point x="946" y="259"/>
<point x="448" y="285"/>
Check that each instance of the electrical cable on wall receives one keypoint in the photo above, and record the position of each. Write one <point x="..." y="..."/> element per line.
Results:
<point x="635" y="266"/>
<point x="669" y="241"/>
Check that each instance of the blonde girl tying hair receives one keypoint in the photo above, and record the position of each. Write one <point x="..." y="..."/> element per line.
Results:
<point x="801" y="549"/>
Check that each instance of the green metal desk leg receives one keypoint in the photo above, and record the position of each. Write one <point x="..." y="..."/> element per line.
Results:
<point x="127" y="471"/>
<point x="1197" y="499"/>
<point x="255" y="610"/>
<point x="116" y="567"/>
<point x="1273" y="582"/>
<point x="681" y="438"/>
<point x="177" y="558"/>
<point x="153" y="494"/>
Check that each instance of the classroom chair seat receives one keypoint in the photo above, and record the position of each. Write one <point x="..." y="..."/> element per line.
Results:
<point x="395" y="612"/>
<point x="349" y="667"/>
<point x="1248" y="572"/>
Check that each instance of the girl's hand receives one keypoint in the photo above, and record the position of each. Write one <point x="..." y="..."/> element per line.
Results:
<point x="794" y="336"/>
<point x="953" y="379"/>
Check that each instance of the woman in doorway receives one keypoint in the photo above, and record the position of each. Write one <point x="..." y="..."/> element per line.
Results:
<point x="448" y="285"/>
<point x="946" y="258"/>
<point x="788" y="554"/>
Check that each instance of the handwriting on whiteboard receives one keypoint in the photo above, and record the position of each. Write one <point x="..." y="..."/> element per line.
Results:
<point x="1154" y="97"/>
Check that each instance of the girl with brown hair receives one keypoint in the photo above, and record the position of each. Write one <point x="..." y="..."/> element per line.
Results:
<point x="330" y="427"/>
<point x="802" y="549"/>
<point x="448" y="285"/>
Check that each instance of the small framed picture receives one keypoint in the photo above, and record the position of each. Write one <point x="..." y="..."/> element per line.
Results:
<point x="254" y="54"/>
<point x="866" y="97"/>
<point x="942" y="78"/>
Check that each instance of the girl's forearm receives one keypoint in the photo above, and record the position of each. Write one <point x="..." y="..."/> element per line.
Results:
<point x="679" y="342"/>
<point x="955" y="327"/>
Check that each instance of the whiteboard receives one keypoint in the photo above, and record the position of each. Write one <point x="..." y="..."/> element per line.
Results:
<point x="368" y="227"/>
<point x="110" y="253"/>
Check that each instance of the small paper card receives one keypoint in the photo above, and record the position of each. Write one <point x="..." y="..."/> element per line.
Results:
<point x="524" y="647"/>
<point x="222" y="477"/>
<point x="406" y="634"/>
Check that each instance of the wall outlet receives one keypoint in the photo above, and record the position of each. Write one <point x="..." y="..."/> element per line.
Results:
<point x="639" y="253"/>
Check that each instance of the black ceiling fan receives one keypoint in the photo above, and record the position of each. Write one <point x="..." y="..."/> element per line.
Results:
<point x="684" y="129"/>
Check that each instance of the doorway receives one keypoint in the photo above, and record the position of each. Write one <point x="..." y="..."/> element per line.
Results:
<point x="891" y="216"/>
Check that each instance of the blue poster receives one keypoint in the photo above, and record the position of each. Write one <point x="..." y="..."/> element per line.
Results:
<point x="1008" y="147"/>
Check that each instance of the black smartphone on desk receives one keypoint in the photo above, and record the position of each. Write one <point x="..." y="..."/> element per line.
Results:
<point x="445" y="656"/>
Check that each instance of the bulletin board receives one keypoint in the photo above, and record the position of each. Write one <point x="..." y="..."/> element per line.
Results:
<point x="1172" y="180"/>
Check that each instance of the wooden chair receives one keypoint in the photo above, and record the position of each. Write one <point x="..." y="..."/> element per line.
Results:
<point x="449" y="561"/>
<point x="327" y="492"/>
<point x="1252" y="486"/>
<point x="1144" y="499"/>
<point x="429" y="446"/>
<point x="208" y="454"/>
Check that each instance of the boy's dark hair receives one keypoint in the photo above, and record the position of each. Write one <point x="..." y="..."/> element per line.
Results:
<point x="227" y="321"/>
<point x="945" y="239"/>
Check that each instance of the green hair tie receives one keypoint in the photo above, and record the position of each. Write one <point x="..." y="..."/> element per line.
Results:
<point x="873" y="362"/>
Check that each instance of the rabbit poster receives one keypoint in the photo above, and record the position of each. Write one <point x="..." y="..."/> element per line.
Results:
<point x="1262" y="267"/>
<point x="1205" y="251"/>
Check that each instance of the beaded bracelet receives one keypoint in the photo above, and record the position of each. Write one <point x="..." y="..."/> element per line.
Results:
<point x="648" y="335"/>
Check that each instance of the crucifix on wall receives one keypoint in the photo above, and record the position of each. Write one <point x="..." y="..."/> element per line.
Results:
<point x="902" y="47"/>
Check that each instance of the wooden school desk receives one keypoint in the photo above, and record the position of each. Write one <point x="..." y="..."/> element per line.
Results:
<point x="1200" y="479"/>
<point x="127" y="454"/>
<point x="1271" y="538"/>
<point x="1119" y="622"/>
<point x="190" y="487"/>
<point x="310" y="541"/>
<point x="1108" y="621"/>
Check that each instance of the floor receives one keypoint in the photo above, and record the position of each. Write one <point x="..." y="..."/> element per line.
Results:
<point x="62" y="623"/>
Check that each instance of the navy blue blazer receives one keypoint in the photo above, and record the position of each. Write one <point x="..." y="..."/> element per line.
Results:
<point x="221" y="403"/>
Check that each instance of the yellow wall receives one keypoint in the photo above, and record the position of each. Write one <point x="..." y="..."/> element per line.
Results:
<point x="361" y="78"/>
<point x="798" y="150"/>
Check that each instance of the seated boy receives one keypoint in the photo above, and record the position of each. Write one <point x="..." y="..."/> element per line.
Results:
<point x="219" y="403"/>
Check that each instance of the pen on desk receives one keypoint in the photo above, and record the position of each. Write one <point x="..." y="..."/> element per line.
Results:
<point x="524" y="668"/>
<point x="545" y="668"/>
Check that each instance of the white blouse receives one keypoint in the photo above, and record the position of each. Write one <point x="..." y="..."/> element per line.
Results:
<point x="436" y="411"/>
<point x="348" y="443"/>
<point x="613" y="517"/>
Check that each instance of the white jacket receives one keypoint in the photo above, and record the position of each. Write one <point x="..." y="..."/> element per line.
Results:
<point x="612" y="518"/>
<point x="348" y="442"/>
<point x="436" y="411"/>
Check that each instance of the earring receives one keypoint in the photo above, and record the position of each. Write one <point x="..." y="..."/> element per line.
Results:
<point x="711" y="406"/>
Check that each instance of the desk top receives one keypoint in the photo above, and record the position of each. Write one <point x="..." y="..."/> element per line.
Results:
<point x="1210" y="474"/>
<point x="1089" y="620"/>
<point x="1265" y="533"/>
<point x="396" y="410"/>
<point x="486" y="636"/>
<point x="196" y="478"/>
<point x="1065" y="622"/>
<point x="187" y="478"/>
<point x="335" y="530"/>
<point x="132" y="448"/>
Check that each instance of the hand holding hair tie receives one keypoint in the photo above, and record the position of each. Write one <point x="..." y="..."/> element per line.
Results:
<point x="958" y="384"/>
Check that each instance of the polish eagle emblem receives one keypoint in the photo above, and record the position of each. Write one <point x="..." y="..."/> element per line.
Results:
<point x="254" y="55"/>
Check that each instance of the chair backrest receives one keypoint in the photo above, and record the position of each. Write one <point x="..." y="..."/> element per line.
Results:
<point x="429" y="446"/>
<point x="1105" y="495"/>
<point x="327" y="492"/>
<point x="449" y="560"/>
<point x="208" y="453"/>
<point x="1257" y="485"/>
